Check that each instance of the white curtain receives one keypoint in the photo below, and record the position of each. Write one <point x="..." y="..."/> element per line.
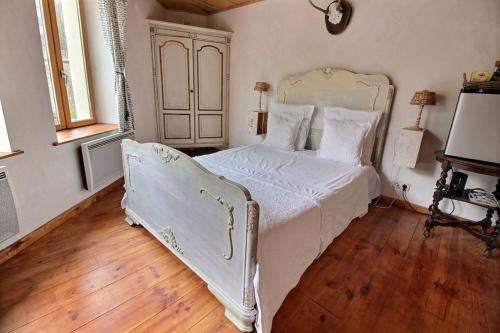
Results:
<point x="114" y="22"/>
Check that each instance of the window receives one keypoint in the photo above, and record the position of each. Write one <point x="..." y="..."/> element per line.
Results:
<point x="63" y="43"/>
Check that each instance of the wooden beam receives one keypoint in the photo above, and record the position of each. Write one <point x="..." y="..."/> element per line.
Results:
<point x="204" y="7"/>
<point x="32" y="237"/>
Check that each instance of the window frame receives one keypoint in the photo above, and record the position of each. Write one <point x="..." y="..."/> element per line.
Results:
<point x="56" y="66"/>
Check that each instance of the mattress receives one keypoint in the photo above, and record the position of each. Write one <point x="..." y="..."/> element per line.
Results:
<point x="305" y="202"/>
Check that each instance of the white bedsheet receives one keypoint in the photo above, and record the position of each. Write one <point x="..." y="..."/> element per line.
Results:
<point x="305" y="202"/>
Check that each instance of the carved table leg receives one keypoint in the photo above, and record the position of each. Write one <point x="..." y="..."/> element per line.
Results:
<point x="487" y="221"/>
<point x="438" y="196"/>
<point x="497" y="190"/>
<point x="491" y="243"/>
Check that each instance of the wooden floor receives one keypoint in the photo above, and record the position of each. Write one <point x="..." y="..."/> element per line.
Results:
<point x="97" y="274"/>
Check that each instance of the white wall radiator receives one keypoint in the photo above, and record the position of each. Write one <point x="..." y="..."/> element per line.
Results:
<point x="102" y="159"/>
<point x="9" y="224"/>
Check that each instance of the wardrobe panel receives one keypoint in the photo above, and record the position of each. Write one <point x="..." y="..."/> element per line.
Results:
<point x="175" y="67"/>
<point x="177" y="126"/>
<point x="210" y="75"/>
<point x="210" y="126"/>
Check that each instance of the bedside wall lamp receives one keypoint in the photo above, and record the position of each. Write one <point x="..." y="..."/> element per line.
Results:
<point x="261" y="87"/>
<point x="257" y="120"/>
<point x="422" y="98"/>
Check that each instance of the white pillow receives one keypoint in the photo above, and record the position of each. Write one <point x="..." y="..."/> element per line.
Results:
<point x="305" y="111"/>
<point x="282" y="130"/>
<point x="343" y="141"/>
<point x="366" y="117"/>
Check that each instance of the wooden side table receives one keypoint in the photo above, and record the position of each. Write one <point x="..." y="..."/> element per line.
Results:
<point x="483" y="229"/>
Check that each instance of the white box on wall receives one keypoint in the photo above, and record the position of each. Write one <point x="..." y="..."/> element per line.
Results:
<point x="407" y="147"/>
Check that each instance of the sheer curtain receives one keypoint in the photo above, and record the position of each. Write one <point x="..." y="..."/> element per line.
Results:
<point x="114" y="22"/>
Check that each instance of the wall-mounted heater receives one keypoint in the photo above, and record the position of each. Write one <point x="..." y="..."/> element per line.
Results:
<point x="102" y="159"/>
<point x="9" y="225"/>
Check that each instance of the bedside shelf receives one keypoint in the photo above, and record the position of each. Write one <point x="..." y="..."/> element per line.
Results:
<point x="466" y="199"/>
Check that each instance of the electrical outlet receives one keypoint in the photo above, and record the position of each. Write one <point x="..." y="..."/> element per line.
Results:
<point x="408" y="186"/>
<point x="399" y="185"/>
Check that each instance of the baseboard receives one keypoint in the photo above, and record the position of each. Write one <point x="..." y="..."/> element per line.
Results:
<point x="11" y="250"/>
<point x="402" y="204"/>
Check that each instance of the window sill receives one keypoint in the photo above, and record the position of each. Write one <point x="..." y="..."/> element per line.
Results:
<point x="74" y="134"/>
<point x="10" y="154"/>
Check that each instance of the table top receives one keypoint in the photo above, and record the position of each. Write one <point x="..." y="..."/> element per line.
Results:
<point x="484" y="168"/>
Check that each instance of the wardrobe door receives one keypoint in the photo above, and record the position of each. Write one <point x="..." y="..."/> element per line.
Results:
<point x="175" y="90"/>
<point x="211" y="92"/>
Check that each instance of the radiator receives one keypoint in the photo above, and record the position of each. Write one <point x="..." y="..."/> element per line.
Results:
<point x="9" y="224"/>
<point x="102" y="160"/>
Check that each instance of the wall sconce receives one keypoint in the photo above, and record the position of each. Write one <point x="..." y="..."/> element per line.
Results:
<point x="422" y="98"/>
<point x="257" y="120"/>
<point x="261" y="87"/>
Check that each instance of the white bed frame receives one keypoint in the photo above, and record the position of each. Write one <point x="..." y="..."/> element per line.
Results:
<point x="211" y="223"/>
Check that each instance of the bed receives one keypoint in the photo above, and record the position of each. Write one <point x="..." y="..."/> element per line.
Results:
<point x="250" y="220"/>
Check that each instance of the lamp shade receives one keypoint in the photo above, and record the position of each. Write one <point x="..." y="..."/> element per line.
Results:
<point x="424" y="97"/>
<point x="261" y="86"/>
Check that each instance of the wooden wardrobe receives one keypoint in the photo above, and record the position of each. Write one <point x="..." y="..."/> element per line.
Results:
<point x="191" y="76"/>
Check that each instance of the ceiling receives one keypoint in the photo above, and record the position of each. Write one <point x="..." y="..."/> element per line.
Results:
<point x="204" y="7"/>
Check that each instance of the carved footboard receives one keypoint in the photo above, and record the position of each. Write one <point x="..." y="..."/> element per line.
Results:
<point x="207" y="221"/>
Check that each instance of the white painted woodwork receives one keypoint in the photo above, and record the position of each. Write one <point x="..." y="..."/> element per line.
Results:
<point x="330" y="86"/>
<point x="211" y="91"/>
<point x="174" y="82"/>
<point x="210" y="73"/>
<point x="207" y="221"/>
<point x="175" y="65"/>
<point x="210" y="126"/>
<point x="191" y="66"/>
<point x="177" y="126"/>
<point x="407" y="147"/>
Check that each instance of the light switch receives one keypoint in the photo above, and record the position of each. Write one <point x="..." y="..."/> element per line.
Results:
<point x="407" y="147"/>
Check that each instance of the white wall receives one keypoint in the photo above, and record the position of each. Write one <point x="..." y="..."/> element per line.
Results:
<point x="417" y="44"/>
<point x="48" y="180"/>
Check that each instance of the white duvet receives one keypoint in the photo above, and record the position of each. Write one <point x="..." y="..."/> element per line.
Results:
<point x="305" y="202"/>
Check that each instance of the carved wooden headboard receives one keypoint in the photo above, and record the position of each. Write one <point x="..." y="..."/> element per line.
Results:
<point x="337" y="87"/>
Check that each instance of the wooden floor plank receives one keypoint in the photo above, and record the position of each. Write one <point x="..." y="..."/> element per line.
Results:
<point x="97" y="274"/>
<point x="144" y="306"/>
<point x="214" y="322"/>
<point x="311" y="318"/>
<point x="86" y="228"/>
<point x="15" y="288"/>
<point x="52" y="299"/>
<point x="86" y="309"/>
<point x="183" y="314"/>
